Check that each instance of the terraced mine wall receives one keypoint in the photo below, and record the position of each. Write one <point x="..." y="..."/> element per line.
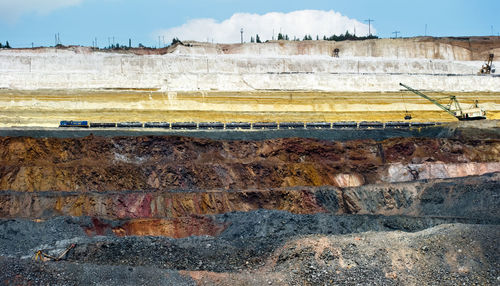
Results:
<point x="83" y="69"/>
<point x="368" y="206"/>
<point x="280" y="211"/>
<point x="250" y="210"/>
<point x="131" y="163"/>
<point x="452" y="49"/>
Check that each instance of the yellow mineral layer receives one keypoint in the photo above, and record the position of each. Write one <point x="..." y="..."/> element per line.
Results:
<point x="47" y="107"/>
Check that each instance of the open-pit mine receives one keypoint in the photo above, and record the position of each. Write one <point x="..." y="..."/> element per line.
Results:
<point x="330" y="184"/>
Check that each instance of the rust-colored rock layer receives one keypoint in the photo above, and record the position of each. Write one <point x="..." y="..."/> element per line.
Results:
<point x="158" y="163"/>
<point x="174" y="227"/>
<point x="410" y="198"/>
<point x="154" y="204"/>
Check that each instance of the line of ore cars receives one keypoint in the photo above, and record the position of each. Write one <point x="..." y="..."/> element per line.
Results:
<point x="246" y="125"/>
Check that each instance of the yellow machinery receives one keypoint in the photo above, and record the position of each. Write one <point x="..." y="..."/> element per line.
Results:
<point x="453" y="107"/>
<point x="487" y="68"/>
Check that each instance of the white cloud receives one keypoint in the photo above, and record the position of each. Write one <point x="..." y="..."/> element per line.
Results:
<point x="297" y="23"/>
<point x="11" y="10"/>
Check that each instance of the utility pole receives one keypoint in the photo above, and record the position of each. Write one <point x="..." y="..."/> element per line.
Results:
<point x="241" y="31"/>
<point x="396" y="34"/>
<point x="369" y="25"/>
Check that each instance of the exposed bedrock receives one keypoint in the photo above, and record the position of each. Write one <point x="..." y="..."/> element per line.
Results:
<point x="169" y="186"/>
<point x="471" y="197"/>
<point x="293" y="211"/>
<point x="158" y="163"/>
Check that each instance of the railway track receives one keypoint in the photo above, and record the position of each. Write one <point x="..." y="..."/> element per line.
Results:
<point x="248" y="125"/>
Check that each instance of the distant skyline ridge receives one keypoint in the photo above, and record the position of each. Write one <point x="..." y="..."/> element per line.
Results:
<point x="153" y="23"/>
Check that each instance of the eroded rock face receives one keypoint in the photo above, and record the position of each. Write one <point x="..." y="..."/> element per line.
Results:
<point x="449" y="197"/>
<point x="154" y="204"/>
<point x="178" y="177"/>
<point x="167" y="163"/>
<point x="284" y="211"/>
<point x="171" y="227"/>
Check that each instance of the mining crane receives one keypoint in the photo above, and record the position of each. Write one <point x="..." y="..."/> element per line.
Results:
<point x="488" y="68"/>
<point x="474" y="113"/>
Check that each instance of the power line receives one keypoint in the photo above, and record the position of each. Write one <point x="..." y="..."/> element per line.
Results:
<point x="369" y="25"/>
<point x="57" y="39"/>
<point x="396" y="34"/>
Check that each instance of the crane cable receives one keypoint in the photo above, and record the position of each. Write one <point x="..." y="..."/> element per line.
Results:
<point x="404" y="103"/>
<point x="407" y="114"/>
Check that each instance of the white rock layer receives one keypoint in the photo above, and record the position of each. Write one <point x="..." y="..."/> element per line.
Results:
<point x="70" y="69"/>
<point x="410" y="172"/>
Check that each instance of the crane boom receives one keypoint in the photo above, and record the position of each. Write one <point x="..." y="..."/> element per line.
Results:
<point x="429" y="98"/>
<point x="476" y="113"/>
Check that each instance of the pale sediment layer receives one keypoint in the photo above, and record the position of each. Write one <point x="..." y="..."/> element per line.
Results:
<point x="63" y="69"/>
<point x="457" y="49"/>
<point x="271" y="82"/>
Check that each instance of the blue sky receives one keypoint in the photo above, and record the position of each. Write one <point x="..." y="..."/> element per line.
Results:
<point x="80" y="21"/>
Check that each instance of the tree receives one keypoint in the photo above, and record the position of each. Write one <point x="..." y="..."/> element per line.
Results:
<point x="175" y="41"/>
<point x="280" y="37"/>
<point x="7" y="45"/>
<point x="252" y="40"/>
<point x="286" y="37"/>
<point x="1" y="46"/>
<point x="348" y="36"/>
<point x="257" y="38"/>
